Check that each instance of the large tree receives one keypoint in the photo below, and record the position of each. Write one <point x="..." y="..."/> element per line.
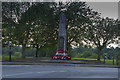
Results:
<point x="78" y="14"/>
<point x="16" y="10"/>
<point x="43" y="26"/>
<point x="101" y="32"/>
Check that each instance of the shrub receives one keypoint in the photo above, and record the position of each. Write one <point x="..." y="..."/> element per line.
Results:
<point x="78" y="55"/>
<point x="17" y="54"/>
<point x="94" y="56"/>
<point x="86" y="54"/>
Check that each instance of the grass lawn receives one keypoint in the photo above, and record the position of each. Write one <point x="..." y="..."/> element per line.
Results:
<point x="0" y="58"/>
<point x="14" y="57"/>
<point x="83" y="59"/>
<point x="108" y="62"/>
<point x="7" y="57"/>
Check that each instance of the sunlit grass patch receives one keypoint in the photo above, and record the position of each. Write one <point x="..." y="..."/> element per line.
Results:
<point x="83" y="59"/>
<point x="108" y="62"/>
<point x="7" y="57"/>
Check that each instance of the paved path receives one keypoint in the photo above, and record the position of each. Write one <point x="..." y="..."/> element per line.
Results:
<point x="60" y="64"/>
<point x="49" y="71"/>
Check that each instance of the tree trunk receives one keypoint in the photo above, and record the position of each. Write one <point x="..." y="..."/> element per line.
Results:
<point x="99" y="51"/>
<point x="23" y="50"/>
<point x="36" y="54"/>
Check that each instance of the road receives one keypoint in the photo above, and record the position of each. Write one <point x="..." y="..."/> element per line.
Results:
<point x="49" y="71"/>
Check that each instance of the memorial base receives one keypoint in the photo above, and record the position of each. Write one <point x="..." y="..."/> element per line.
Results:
<point x="61" y="55"/>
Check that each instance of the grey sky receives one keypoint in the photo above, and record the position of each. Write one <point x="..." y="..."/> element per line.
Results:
<point x="107" y="9"/>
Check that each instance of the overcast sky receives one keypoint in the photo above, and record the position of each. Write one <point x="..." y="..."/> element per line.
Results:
<point x="107" y="9"/>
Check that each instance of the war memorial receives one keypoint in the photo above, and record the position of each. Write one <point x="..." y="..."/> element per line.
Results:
<point x="61" y="53"/>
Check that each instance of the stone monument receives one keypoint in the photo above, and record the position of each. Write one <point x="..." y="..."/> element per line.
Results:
<point x="62" y="40"/>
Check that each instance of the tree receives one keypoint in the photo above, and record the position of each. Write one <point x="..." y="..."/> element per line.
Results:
<point x="101" y="32"/>
<point x="77" y="15"/>
<point x="43" y="26"/>
<point x="17" y="10"/>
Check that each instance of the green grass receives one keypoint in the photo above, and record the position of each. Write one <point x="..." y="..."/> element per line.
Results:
<point x="83" y="59"/>
<point x="39" y="57"/>
<point x="14" y="57"/>
<point x="45" y="57"/>
<point x="108" y="62"/>
<point x="7" y="57"/>
<point x="0" y="58"/>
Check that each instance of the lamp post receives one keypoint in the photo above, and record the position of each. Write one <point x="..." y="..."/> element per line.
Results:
<point x="10" y="42"/>
<point x="117" y="60"/>
<point x="113" y="59"/>
<point x="104" y="58"/>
